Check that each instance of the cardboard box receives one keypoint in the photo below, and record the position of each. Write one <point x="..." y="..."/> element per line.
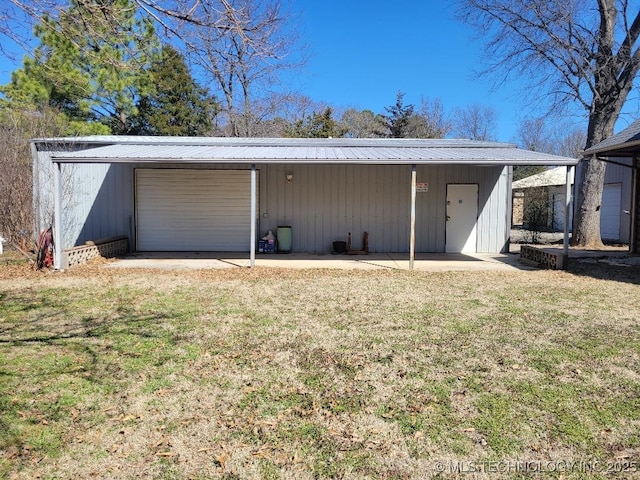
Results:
<point x="264" y="246"/>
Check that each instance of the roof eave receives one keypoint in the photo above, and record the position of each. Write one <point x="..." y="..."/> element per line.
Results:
<point x="323" y="161"/>
<point x="620" y="150"/>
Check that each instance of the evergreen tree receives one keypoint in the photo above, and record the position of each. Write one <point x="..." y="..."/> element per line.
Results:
<point x="317" y="125"/>
<point x="177" y="105"/>
<point x="91" y="63"/>
<point x="398" y="119"/>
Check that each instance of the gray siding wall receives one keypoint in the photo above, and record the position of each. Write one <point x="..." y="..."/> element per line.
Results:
<point x="615" y="174"/>
<point x="624" y="176"/>
<point x="104" y="205"/>
<point x="325" y="202"/>
<point x="97" y="200"/>
<point x="322" y="204"/>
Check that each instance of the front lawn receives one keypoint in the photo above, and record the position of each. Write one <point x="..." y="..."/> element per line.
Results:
<point x="272" y="373"/>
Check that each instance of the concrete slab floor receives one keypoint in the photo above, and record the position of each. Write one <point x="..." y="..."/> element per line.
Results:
<point x="423" y="261"/>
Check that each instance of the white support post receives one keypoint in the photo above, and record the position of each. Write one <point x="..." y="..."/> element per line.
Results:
<point x="57" y="216"/>
<point x="252" y="248"/>
<point x="567" y="211"/>
<point x="412" y="237"/>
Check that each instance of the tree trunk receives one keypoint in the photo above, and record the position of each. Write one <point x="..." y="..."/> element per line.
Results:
<point x="586" y="230"/>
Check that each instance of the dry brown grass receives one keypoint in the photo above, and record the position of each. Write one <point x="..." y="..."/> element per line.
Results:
<point x="315" y="374"/>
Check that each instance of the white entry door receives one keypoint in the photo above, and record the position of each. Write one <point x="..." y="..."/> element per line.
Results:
<point x="462" y="217"/>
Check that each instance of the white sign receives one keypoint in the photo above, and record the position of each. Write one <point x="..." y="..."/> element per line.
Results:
<point x="422" y="187"/>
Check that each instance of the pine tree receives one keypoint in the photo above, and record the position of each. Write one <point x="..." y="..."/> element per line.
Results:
<point x="317" y="125"/>
<point x="91" y="63"/>
<point x="177" y="105"/>
<point x="397" y="122"/>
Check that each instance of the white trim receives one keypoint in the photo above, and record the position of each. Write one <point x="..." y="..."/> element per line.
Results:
<point x="57" y="216"/>
<point x="252" y="217"/>
<point x="412" y="234"/>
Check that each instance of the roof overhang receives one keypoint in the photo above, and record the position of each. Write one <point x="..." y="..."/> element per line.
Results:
<point x="621" y="145"/>
<point x="216" y="150"/>
<point x="553" y="177"/>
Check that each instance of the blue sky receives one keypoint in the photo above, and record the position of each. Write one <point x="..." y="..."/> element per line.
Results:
<point x="363" y="52"/>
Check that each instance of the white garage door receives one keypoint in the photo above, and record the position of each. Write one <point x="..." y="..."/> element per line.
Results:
<point x="610" y="214"/>
<point x="558" y="213"/>
<point x="193" y="210"/>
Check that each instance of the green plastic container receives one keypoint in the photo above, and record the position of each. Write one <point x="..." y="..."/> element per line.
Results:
<point x="284" y="239"/>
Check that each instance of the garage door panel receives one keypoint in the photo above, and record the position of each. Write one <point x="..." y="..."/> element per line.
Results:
<point x="611" y="209"/>
<point x="184" y="210"/>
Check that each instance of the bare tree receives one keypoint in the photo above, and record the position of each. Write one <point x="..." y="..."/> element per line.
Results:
<point x="582" y="52"/>
<point x="533" y="134"/>
<point x="476" y="122"/>
<point x="240" y="47"/>
<point x="360" y="123"/>
<point x="431" y="120"/>
<point x="16" y="184"/>
<point x="19" y="17"/>
<point x="570" y="141"/>
<point x="548" y="134"/>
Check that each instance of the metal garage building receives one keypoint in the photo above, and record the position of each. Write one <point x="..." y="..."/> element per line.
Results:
<point x="222" y="194"/>
<point x="621" y="152"/>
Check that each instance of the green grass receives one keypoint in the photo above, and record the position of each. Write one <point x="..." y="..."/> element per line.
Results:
<point x="313" y="374"/>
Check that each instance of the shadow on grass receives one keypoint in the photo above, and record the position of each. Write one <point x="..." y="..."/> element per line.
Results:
<point x="51" y="319"/>
<point x="623" y="269"/>
<point x="54" y="351"/>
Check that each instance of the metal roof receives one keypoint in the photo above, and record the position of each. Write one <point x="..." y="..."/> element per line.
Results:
<point x="268" y="141"/>
<point x="548" y="178"/>
<point x="623" y="144"/>
<point x="117" y="149"/>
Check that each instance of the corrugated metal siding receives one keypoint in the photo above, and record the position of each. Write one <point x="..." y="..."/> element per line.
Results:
<point x="493" y="220"/>
<point x="323" y="203"/>
<point x="97" y="200"/>
<point x="623" y="175"/>
<point x="104" y="202"/>
<point x="615" y="174"/>
<point x="42" y="191"/>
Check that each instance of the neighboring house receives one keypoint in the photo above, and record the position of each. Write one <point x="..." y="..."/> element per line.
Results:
<point x="622" y="154"/>
<point x="542" y="196"/>
<point x="615" y="222"/>
<point x="550" y="186"/>
<point x="223" y="194"/>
